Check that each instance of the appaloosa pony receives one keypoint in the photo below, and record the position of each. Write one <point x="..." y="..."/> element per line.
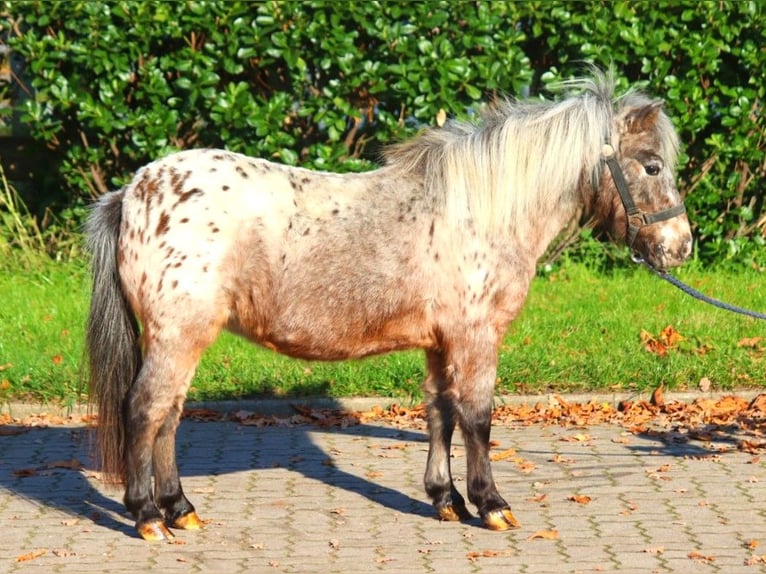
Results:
<point x="434" y="250"/>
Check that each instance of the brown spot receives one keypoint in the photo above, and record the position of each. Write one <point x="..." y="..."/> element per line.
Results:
<point x="335" y="211"/>
<point x="185" y="220"/>
<point x="225" y="188"/>
<point x="185" y="196"/>
<point x="163" y="224"/>
<point x="241" y="172"/>
<point x="174" y="283"/>
<point x="432" y="228"/>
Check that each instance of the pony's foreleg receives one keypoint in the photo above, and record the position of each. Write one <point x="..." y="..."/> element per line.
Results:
<point x="474" y="372"/>
<point x="152" y="409"/>
<point x="441" y="424"/>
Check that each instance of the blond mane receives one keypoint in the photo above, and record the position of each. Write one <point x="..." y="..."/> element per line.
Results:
<point x="519" y="157"/>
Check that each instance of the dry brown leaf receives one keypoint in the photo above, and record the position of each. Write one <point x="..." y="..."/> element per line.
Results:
<point x="694" y="555"/>
<point x="580" y="499"/>
<point x="670" y="336"/>
<point x="752" y="544"/>
<point x="750" y="342"/>
<point x="558" y="459"/>
<point x="507" y="453"/>
<point x="473" y="556"/>
<point x="657" y="399"/>
<point x="544" y="535"/>
<point x="24" y="472"/>
<point x="31" y="555"/>
<point x="72" y="464"/>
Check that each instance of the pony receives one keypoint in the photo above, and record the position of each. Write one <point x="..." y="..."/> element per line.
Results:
<point x="434" y="250"/>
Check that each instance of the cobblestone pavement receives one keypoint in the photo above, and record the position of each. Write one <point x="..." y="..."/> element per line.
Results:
<point x="310" y="499"/>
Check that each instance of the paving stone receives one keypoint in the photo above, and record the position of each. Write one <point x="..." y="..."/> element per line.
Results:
<point x="308" y="499"/>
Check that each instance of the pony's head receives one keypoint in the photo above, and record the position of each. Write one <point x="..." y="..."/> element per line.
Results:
<point x="637" y="197"/>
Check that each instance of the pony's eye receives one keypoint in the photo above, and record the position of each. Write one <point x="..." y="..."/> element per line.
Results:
<point x="652" y="168"/>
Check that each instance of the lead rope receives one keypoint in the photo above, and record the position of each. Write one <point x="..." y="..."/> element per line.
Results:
<point x="701" y="296"/>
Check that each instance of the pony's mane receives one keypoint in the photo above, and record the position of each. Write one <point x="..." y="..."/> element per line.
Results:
<point x="518" y="157"/>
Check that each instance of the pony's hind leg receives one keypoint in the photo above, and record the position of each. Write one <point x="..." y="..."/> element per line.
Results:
<point x="151" y="413"/>
<point x="168" y="492"/>
<point x="441" y="425"/>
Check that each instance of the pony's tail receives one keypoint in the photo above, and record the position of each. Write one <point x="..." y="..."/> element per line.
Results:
<point x="111" y="337"/>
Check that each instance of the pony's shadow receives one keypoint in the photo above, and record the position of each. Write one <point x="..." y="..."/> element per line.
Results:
<point x="54" y="467"/>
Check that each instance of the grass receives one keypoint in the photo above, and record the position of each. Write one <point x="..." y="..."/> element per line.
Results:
<point x="580" y="331"/>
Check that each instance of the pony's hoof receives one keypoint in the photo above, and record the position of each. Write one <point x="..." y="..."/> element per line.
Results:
<point x="502" y="519"/>
<point x="189" y="521"/>
<point x="454" y="513"/>
<point x="154" y="531"/>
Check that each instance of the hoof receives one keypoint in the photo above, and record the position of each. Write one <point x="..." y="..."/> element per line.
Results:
<point x="189" y="521"/>
<point x="454" y="513"/>
<point x="154" y="531"/>
<point x="502" y="519"/>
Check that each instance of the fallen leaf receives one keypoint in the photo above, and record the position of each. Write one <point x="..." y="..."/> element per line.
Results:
<point x="704" y="384"/>
<point x="25" y="472"/>
<point x="31" y="555"/>
<point x="752" y="544"/>
<point x="657" y="399"/>
<point x="544" y="535"/>
<point x="72" y="464"/>
<point x="507" y="453"/>
<point x="557" y="458"/>
<point x="580" y="499"/>
<point x="64" y="553"/>
<point x="750" y="342"/>
<point x="698" y="556"/>
<point x="334" y="544"/>
<point x="13" y="431"/>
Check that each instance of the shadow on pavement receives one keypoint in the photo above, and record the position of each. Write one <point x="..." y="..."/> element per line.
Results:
<point x="55" y="468"/>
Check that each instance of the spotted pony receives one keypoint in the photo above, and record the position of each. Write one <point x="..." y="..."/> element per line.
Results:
<point x="434" y="250"/>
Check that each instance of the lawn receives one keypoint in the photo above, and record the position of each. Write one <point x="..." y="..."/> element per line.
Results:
<point x="580" y="331"/>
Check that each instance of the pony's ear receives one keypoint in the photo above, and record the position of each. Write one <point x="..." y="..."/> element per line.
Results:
<point x="642" y="119"/>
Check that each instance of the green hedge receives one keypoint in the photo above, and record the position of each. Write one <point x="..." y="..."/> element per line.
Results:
<point x="111" y="85"/>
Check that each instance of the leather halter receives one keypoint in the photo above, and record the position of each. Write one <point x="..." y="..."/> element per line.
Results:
<point x="636" y="218"/>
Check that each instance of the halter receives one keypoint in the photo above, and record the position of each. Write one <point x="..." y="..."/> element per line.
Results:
<point x="636" y="218"/>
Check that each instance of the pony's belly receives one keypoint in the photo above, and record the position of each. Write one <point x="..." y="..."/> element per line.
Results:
<point x="336" y="344"/>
